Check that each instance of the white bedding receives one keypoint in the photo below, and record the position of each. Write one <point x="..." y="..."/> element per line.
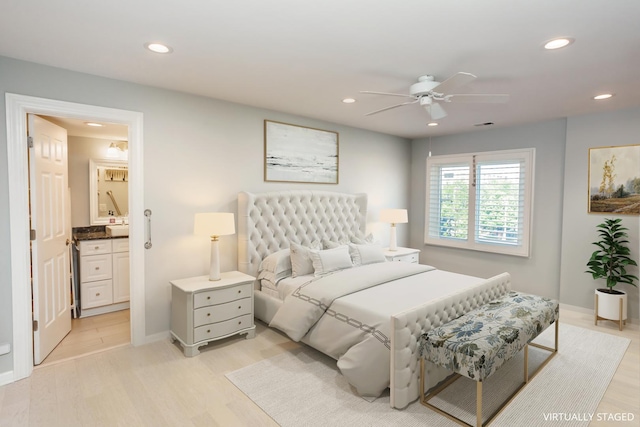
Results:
<point x="346" y="314"/>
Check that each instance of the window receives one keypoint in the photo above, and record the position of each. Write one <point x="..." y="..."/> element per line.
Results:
<point x="481" y="201"/>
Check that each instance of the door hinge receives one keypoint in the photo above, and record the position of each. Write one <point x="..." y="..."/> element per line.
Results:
<point x="35" y="326"/>
<point x="32" y="234"/>
<point x="30" y="141"/>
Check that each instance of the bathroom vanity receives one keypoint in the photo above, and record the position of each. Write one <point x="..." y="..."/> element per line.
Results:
<point x="102" y="262"/>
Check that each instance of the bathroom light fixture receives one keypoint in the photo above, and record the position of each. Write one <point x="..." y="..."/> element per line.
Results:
<point x="432" y="124"/>
<point x="393" y="216"/>
<point x="348" y="100"/>
<point x="558" y="43"/>
<point x="93" y="124"/>
<point x="603" y="96"/>
<point x="118" y="149"/>
<point x="158" y="47"/>
<point x="214" y="225"/>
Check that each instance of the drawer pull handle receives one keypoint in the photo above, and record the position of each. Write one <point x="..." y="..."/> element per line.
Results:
<point x="208" y="331"/>
<point x="239" y="292"/>
<point x="240" y="322"/>
<point x="98" y="294"/>
<point x="97" y="268"/>
<point x="239" y="307"/>
<point x="208" y="298"/>
<point x="96" y="248"/>
<point x="208" y="314"/>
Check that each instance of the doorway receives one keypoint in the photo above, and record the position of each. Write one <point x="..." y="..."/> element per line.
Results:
<point x="97" y="165"/>
<point x="17" y="108"/>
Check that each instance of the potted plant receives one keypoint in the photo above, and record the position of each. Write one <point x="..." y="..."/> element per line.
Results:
<point x="610" y="262"/>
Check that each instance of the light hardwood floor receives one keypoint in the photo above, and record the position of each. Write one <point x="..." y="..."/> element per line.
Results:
<point x="92" y="334"/>
<point x="155" y="385"/>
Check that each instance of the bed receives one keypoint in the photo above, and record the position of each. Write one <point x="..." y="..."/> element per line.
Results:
<point x="369" y="314"/>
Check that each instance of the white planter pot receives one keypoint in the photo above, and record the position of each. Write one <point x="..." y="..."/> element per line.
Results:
<point x="608" y="306"/>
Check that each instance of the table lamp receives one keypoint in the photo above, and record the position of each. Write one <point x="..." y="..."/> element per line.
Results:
<point x="214" y="224"/>
<point x="393" y="216"/>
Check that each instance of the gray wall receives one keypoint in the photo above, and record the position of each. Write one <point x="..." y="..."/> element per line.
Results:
<point x="538" y="274"/>
<point x="579" y="227"/>
<point x="198" y="154"/>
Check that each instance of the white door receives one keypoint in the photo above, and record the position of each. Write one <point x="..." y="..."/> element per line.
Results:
<point x="51" y="220"/>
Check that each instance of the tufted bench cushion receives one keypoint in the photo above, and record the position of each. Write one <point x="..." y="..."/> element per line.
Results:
<point x="478" y="343"/>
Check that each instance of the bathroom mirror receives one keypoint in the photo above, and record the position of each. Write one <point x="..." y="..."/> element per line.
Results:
<point x="108" y="190"/>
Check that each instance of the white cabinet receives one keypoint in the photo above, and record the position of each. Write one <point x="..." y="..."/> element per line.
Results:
<point x="203" y="311"/>
<point x="403" y="255"/>
<point x="104" y="276"/>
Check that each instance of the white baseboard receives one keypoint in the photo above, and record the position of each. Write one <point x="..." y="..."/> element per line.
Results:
<point x="6" y="378"/>
<point x="590" y="312"/>
<point x="157" y="337"/>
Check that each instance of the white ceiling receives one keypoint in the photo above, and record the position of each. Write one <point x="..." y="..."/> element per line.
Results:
<point x="303" y="57"/>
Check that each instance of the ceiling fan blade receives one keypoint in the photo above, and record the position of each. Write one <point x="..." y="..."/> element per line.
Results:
<point x="453" y="82"/>
<point x="478" y="98"/>
<point x="393" y="106"/>
<point x="436" y="111"/>
<point x="370" y="92"/>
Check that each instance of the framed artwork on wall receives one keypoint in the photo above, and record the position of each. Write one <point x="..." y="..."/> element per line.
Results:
<point x="300" y="154"/>
<point x="614" y="180"/>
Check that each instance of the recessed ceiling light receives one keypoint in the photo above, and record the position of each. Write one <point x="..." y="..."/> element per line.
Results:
<point x="603" y="96"/>
<point x="95" y="125"/>
<point x="158" y="47"/>
<point x="558" y="43"/>
<point x="432" y="124"/>
<point x="348" y="100"/>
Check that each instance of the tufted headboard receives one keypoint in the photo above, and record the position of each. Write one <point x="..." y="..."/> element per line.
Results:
<point x="267" y="221"/>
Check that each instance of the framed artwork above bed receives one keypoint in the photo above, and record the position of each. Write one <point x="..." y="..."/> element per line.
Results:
<point x="300" y="154"/>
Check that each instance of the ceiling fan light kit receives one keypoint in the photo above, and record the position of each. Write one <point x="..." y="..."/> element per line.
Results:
<point x="429" y="93"/>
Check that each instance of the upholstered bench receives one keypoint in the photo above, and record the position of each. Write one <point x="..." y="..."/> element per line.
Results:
<point x="477" y="343"/>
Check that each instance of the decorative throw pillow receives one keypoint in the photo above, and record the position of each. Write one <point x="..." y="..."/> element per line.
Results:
<point x="366" y="254"/>
<point x="367" y="240"/>
<point x="330" y="260"/>
<point x="275" y="266"/>
<point x="328" y="244"/>
<point x="300" y="261"/>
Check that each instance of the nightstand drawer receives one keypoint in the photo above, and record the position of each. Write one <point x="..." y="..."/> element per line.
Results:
<point x="406" y="258"/>
<point x="220" y="329"/>
<point x="220" y="296"/>
<point x="95" y="267"/>
<point x="220" y="312"/>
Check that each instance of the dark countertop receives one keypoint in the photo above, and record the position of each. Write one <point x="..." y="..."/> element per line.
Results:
<point x="93" y="232"/>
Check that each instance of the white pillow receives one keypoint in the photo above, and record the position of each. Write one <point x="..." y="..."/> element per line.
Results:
<point x="328" y="244"/>
<point x="300" y="261"/>
<point x="367" y="240"/>
<point x="366" y="254"/>
<point x="330" y="260"/>
<point x="275" y="266"/>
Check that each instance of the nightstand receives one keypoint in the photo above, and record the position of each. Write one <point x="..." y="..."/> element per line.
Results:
<point x="402" y="254"/>
<point x="203" y="311"/>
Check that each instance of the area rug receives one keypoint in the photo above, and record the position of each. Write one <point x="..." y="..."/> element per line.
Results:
<point x="304" y="388"/>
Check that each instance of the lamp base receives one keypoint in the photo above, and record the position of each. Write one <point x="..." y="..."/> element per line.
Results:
<point x="393" y="246"/>
<point x="214" y="271"/>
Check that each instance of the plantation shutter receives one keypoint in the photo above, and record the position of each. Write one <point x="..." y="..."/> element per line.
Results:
<point x="500" y="202"/>
<point x="481" y="201"/>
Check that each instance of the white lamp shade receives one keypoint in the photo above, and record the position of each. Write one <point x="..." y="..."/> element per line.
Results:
<point x="394" y="216"/>
<point x="214" y="224"/>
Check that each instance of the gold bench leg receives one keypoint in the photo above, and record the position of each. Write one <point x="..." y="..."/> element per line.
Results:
<point x="424" y="399"/>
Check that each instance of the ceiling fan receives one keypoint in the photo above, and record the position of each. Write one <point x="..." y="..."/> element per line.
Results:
<point x="429" y="93"/>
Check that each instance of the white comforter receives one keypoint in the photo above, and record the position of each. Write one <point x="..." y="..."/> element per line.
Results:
<point x="346" y="315"/>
